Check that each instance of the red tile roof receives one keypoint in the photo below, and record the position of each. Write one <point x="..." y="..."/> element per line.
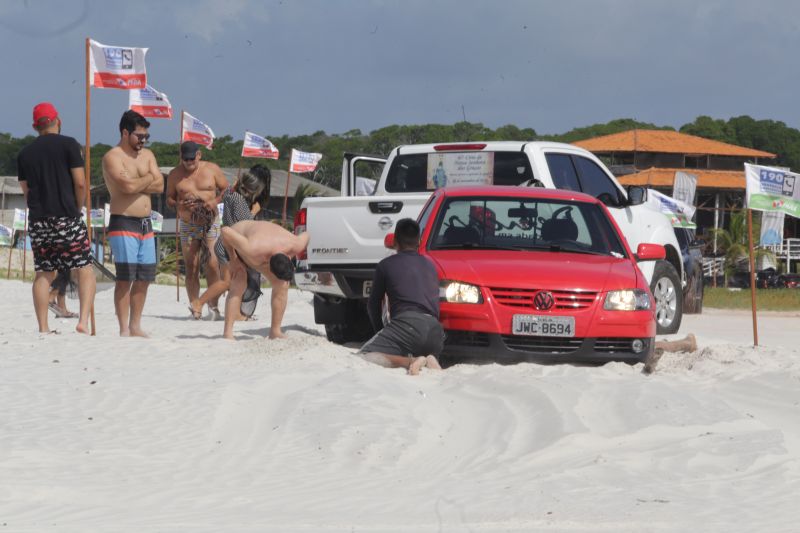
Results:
<point x="665" y="141"/>
<point x="706" y="179"/>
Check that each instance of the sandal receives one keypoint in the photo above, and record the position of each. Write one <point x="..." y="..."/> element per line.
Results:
<point x="197" y="315"/>
<point x="60" y="313"/>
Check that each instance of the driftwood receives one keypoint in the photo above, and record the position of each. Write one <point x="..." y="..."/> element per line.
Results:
<point x="685" y="345"/>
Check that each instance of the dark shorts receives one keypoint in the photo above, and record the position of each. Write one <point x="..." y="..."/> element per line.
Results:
<point x="134" y="247"/>
<point x="59" y="243"/>
<point x="410" y="334"/>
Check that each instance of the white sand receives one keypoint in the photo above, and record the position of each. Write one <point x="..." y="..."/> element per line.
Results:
<point x="188" y="432"/>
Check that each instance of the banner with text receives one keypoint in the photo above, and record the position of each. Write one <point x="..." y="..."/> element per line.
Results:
<point x="158" y="220"/>
<point x="116" y="67"/>
<point x="150" y="103"/>
<point x="303" y="161"/>
<point x="679" y="213"/>
<point x="258" y="146"/>
<point x="20" y="219"/>
<point x="772" y="189"/>
<point x="460" y="168"/>
<point x="196" y="130"/>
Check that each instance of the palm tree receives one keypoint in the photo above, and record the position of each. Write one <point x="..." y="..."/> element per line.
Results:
<point x="734" y="243"/>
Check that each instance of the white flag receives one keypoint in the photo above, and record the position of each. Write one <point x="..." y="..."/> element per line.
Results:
<point x="303" y="161"/>
<point x="149" y="103"/>
<point x="684" y="187"/>
<point x="772" y="227"/>
<point x="772" y="189"/>
<point x="116" y="67"/>
<point x="197" y="131"/>
<point x="257" y="146"/>
<point x="6" y="236"/>
<point x="679" y="213"/>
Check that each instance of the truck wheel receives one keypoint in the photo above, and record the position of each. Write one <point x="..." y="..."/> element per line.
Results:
<point x="336" y="333"/>
<point x="355" y="328"/>
<point x="665" y="287"/>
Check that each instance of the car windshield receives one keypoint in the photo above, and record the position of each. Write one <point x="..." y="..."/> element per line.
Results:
<point x="428" y="172"/>
<point x="524" y="224"/>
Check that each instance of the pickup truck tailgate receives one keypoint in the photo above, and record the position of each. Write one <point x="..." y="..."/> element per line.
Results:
<point x="349" y="230"/>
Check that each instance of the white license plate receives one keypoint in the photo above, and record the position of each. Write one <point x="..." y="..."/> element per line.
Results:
<point x="366" y="289"/>
<point x="543" y="326"/>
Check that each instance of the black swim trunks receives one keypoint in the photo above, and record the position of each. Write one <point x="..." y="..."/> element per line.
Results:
<point x="410" y="333"/>
<point x="59" y="243"/>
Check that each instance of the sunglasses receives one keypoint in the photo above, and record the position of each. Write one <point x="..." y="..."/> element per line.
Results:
<point x="188" y="158"/>
<point x="143" y="137"/>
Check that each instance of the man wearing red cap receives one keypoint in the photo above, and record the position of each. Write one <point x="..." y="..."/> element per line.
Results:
<point x="50" y="172"/>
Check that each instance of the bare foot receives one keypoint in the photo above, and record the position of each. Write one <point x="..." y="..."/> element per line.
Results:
<point x="137" y="332"/>
<point x="278" y="335"/>
<point x="195" y="310"/>
<point x="124" y="333"/>
<point x="432" y="363"/>
<point x="81" y="328"/>
<point x="229" y="337"/>
<point x="416" y="365"/>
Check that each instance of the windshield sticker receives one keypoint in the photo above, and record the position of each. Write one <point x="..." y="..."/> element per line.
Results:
<point x="459" y="169"/>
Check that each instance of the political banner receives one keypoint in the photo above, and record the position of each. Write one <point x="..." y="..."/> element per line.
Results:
<point x="257" y="146"/>
<point x="303" y="161"/>
<point x="196" y="130"/>
<point x="458" y="169"/>
<point x="116" y="67"/>
<point x="6" y="235"/>
<point x="771" y="228"/>
<point x="772" y="189"/>
<point x="679" y="213"/>
<point x="20" y="219"/>
<point x="157" y="220"/>
<point x="684" y="187"/>
<point x="150" y="103"/>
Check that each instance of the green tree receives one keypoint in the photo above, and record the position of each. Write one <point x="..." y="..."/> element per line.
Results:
<point x="733" y="242"/>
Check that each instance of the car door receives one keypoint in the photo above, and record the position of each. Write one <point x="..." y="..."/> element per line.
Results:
<point x="360" y="174"/>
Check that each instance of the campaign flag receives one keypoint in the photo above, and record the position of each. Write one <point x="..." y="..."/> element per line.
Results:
<point x="772" y="228"/>
<point x="116" y="67"/>
<point x="303" y="161"/>
<point x="684" y="187"/>
<point x="257" y="146"/>
<point x="679" y="213"/>
<point x="772" y="189"/>
<point x="197" y="131"/>
<point x="20" y="219"/>
<point x="157" y="220"/>
<point x="98" y="217"/>
<point x="6" y="235"/>
<point x="149" y="103"/>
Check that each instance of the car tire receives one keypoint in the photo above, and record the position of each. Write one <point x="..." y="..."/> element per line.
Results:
<point x="693" y="300"/>
<point x="665" y="287"/>
<point x="356" y="327"/>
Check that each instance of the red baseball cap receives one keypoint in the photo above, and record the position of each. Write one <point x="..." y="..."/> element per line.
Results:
<point x="44" y="113"/>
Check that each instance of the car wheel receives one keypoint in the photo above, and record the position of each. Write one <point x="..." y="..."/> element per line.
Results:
<point x="665" y="287"/>
<point x="357" y="327"/>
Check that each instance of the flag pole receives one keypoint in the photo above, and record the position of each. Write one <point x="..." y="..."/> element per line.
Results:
<point x="286" y="193"/>
<point x="752" y="274"/>
<point x="10" y="251"/>
<point x="178" y="250"/>
<point x="24" y="246"/>
<point x="88" y="167"/>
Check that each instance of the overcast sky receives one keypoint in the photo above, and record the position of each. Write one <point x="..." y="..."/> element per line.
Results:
<point x="294" y="66"/>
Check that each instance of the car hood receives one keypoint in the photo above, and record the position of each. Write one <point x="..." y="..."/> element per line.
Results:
<point x="542" y="270"/>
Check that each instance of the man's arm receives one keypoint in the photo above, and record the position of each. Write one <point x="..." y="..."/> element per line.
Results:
<point x="24" y="186"/>
<point x="114" y="170"/>
<point x="157" y="185"/>
<point x="375" y="301"/>
<point x="172" y="190"/>
<point x="79" y="182"/>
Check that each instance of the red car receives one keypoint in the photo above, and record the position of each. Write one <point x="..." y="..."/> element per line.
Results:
<point x="530" y="274"/>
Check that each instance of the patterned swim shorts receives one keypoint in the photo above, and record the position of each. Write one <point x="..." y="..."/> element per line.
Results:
<point x="134" y="248"/>
<point x="200" y="232"/>
<point x="59" y="243"/>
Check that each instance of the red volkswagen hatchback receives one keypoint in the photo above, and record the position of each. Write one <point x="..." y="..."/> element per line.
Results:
<point x="529" y="274"/>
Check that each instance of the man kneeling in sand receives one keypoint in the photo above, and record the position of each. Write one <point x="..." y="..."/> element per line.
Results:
<point x="414" y="337"/>
<point x="267" y="248"/>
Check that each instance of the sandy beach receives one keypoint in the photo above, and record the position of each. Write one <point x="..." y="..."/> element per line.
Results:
<point x="188" y="432"/>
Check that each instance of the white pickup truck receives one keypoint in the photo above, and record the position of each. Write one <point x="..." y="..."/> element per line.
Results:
<point x="347" y="233"/>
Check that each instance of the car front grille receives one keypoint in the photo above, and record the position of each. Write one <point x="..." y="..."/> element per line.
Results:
<point x="523" y="298"/>
<point x="613" y="345"/>
<point x="542" y="344"/>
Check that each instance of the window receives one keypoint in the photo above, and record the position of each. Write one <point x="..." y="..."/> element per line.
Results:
<point x="595" y="182"/>
<point x="563" y="172"/>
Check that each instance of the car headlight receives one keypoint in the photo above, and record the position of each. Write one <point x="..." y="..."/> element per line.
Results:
<point x="459" y="293"/>
<point x="627" y="300"/>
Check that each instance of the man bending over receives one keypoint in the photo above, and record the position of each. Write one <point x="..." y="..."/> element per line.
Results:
<point x="267" y="248"/>
<point x="414" y="337"/>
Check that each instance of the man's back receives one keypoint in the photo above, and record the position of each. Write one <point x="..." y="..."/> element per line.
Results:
<point x="411" y="283"/>
<point x="45" y="165"/>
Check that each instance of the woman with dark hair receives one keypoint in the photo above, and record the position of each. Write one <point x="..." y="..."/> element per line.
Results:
<point x="242" y="201"/>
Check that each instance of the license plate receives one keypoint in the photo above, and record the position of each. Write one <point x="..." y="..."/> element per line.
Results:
<point x="544" y="326"/>
<point x="366" y="289"/>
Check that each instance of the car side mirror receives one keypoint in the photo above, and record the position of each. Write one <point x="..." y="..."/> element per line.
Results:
<point x="388" y="241"/>
<point x="650" y="252"/>
<point x="636" y="195"/>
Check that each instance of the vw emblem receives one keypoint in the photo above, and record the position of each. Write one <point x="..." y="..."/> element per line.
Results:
<point x="543" y="300"/>
<point x="385" y="223"/>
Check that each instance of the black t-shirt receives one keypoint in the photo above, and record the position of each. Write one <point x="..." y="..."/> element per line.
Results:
<point x="411" y="282"/>
<point x="45" y="164"/>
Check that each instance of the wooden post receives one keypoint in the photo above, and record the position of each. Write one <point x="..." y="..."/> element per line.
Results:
<point x="752" y="274"/>
<point x="286" y="193"/>
<point x="88" y="166"/>
<point x="10" y="251"/>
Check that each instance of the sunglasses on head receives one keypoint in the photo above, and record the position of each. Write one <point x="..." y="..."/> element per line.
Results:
<point x="141" y="136"/>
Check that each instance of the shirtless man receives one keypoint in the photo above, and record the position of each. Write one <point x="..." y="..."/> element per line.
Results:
<point x="267" y="248"/>
<point x="131" y="175"/>
<point x="194" y="188"/>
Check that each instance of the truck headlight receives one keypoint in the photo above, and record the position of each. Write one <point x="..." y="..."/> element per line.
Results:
<point x="459" y="293"/>
<point x="627" y="300"/>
